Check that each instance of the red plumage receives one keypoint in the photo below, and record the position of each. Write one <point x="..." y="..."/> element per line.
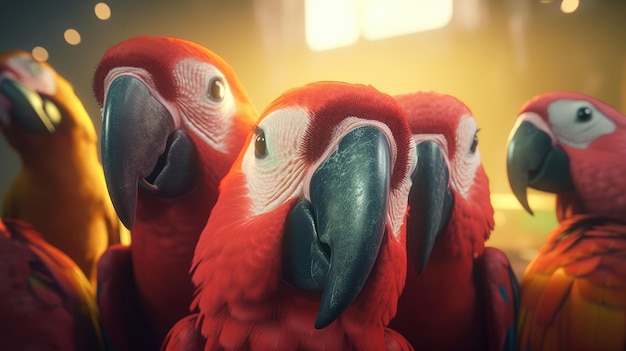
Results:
<point x="464" y="299"/>
<point x="244" y="303"/>
<point x="46" y="301"/>
<point x="573" y="291"/>
<point x="179" y="77"/>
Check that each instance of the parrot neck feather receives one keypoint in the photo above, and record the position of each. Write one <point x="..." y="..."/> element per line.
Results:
<point x="237" y="268"/>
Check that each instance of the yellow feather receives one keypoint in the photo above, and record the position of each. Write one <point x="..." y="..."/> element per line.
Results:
<point x="596" y="326"/>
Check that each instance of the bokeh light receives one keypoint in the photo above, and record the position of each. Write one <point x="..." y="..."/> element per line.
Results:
<point x="331" y="24"/>
<point x="72" y="36"/>
<point x="103" y="11"/>
<point x="569" y="6"/>
<point x="40" y="54"/>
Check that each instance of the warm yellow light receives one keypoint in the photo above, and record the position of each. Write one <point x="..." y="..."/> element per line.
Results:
<point x="72" y="36"/>
<point x="103" y="11"/>
<point x="390" y="18"/>
<point x="333" y="23"/>
<point x="569" y="6"/>
<point x="330" y="23"/>
<point x="40" y="54"/>
<point x="545" y="1"/>
<point x="537" y="202"/>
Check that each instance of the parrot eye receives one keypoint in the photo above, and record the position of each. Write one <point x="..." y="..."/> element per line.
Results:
<point x="474" y="143"/>
<point x="217" y="89"/>
<point x="260" y="148"/>
<point x="583" y="114"/>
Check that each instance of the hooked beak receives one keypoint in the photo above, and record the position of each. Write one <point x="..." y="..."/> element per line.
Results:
<point x="141" y="149"/>
<point x="332" y="242"/>
<point x="532" y="161"/>
<point x="30" y="110"/>
<point x="430" y="202"/>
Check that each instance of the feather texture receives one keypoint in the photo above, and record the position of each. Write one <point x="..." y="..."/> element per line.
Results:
<point x="60" y="187"/>
<point x="47" y="302"/>
<point x="243" y="300"/>
<point x="573" y="291"/>
<point x="203" y="107"/>
<point x="465" y="297"/>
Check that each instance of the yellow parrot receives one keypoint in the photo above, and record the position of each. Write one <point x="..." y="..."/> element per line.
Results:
<point x="60" y="187"/>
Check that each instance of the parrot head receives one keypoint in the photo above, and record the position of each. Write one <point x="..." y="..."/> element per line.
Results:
<point x="174" y="116"/>
<point x="449" y="200"/>
<point x="316" y="202"/>
<point x="572" y="145"/>
<point x="36" y="103"/>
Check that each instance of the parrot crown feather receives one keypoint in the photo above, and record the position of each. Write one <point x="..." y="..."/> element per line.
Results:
<point x="157" y="54"/>
<point x="327" y="106"/>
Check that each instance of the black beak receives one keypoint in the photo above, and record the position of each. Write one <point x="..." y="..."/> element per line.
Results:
<point x="332" y="242"/>
<point x="533" y="161"/>
<point x="141" y="148"/>
<point x="30" y="110"/>
<point x="430" y="201"/>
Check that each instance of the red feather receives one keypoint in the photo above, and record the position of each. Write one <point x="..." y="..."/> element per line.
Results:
<point x="574" y="292"/>
<point x="457" y="302"/>
<point x="166" y="229"/>
<point x="243" y="301"/>
<point x="46" y="301"/>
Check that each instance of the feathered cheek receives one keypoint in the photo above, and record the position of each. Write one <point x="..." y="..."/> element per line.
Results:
<point x="270" y="187"/>
<point x="463" y="178"/>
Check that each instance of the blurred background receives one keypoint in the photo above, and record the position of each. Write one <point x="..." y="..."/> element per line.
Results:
<point x="491" y="54"/>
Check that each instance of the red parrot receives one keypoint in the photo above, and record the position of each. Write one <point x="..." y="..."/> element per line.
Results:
<point x="459" y="294"/>
<point x="46" y="302"/>
<point x="573" y="293"/>
<point x="60" y="186"/>
<point x="174" y="119"/>
<point x="304" y="249"/>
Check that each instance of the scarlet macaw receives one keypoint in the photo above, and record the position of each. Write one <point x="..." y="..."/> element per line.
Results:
<point x="60" y="186"/>
<point x="459" y="294"/>
<point x="304" y="249"/>
<point x="46" y="302"/>
<point x="174" y="118"/>
<point x="573" y="293"/>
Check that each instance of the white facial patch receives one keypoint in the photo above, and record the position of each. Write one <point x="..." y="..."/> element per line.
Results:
<point x="578" y="122"/>
<point x="277" y="176"/>
<point x="32" y="74"/>
<point x="205" y="115"/>
<point x="466" y="161"/>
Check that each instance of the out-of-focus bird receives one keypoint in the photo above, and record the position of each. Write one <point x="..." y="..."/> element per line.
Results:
<point x="46" y="302"/>
<point x="60" y="186"/>
<point x="174" y="119"/>
<point x="573" y="293"/>
<point x="459" y="294"/>
<point x="305" y="249"/>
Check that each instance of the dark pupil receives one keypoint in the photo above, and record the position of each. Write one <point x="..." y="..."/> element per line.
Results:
<point x="583" y="114"/>
<point x="217" y="89"/>
<point x="260" y="149"/>
<point x="474" y="144"/>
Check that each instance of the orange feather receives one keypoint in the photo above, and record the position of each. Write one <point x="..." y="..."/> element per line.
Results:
<point x="573" y="294"/>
